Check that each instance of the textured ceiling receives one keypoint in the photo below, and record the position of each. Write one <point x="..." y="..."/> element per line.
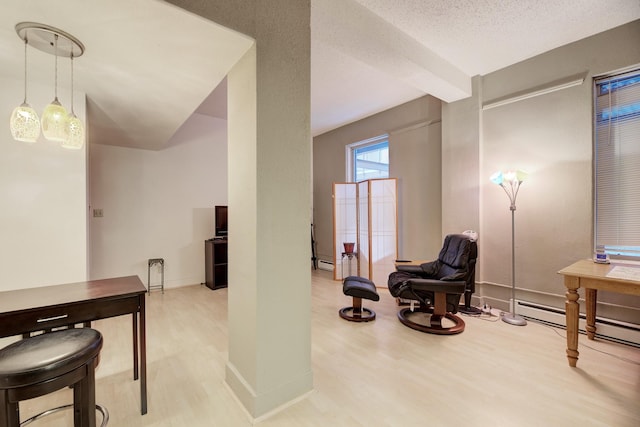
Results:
<point x="481" y="36"/>
<point x="446" y="38"/>
<point x="149" y="65"/>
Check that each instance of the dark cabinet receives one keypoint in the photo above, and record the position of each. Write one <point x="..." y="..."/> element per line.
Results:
<point x="215" y="263"/>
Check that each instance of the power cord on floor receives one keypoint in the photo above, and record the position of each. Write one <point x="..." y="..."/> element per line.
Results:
<point x="624" y="359"/>
<point x="480" y="313"/>
<point x="486" y="313"/>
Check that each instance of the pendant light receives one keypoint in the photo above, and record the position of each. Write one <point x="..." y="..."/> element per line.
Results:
<point x="55" y="115"/>
<point x="73" y="125"/>
<point x="24" y="122"/>
<point x="56" y="124"/>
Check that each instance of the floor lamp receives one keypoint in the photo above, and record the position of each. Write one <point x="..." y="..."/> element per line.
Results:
<point x="510" y="182"/>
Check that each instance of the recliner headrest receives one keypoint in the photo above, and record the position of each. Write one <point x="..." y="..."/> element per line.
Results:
<point x="456" y="251"/>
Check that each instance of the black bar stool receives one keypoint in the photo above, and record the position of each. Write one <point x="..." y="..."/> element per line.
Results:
<point x="45" y="363"/>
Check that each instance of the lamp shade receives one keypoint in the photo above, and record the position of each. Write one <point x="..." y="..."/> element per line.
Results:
<point x="75" y="133"/>
<point x="24" y="123"/>
<point x="511" y="176"/>
<point x="497" y="178"/>
<point x="53" y="122"/>
<point x="515" y="176"/>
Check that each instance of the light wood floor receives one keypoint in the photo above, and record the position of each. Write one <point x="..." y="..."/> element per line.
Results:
<point x="370" y="374"/>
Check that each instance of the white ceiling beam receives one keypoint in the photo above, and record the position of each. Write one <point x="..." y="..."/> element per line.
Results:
<point x="356" y="31"/>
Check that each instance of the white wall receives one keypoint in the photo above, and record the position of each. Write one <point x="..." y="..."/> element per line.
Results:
<point x="550" y="136"/>
<point x="158" y="204"/>
<point x="43" y="222"/>
<point x="415" y="155"/>
<point x="414" y="158"/>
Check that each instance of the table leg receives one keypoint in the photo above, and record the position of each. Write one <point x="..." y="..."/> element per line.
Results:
<point x="591" y="297"/>
<point x="143" y="356"/>
<point x="135" y="345"/>
<point x="84" y="398"/>
<point x="572" y="311"/>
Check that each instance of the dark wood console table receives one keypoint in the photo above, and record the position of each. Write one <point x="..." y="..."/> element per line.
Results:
<point x="35" y="309"/>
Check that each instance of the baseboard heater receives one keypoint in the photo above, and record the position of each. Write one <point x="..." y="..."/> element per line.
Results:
<point x="325" y="265"/>
<point x="614" y="330"/>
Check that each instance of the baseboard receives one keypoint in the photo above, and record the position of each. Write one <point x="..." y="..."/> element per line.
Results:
<point x="615" y="330"/>
<point x="261" y="406"/>
<point x="325" y="265"/>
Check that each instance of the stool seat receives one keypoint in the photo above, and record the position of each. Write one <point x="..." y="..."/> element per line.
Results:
<point x="45" y="363"/>
<point x="359" y="288"/>
<point x="46" y="356"/>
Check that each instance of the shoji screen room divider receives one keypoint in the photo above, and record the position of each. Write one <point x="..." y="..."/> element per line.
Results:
<point x="366" y="213"/>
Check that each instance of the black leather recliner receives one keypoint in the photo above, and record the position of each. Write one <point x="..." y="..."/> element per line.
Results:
<point x="437" y="286"/>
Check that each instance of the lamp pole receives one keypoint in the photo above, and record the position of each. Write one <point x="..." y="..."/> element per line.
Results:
<point x="513" y="179"/>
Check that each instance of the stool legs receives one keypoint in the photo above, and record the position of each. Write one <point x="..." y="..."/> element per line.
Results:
<point x="357" y="313"/>
<point x="84" y="398"/>
<point x="9" y="412"/>
<point x="357" y="307"/>
<point x="84" y="403"/>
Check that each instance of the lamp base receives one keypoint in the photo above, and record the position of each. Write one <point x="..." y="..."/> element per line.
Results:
<point x="514" y="319"/>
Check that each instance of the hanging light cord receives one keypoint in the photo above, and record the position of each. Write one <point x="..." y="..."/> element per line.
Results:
<point x="25" y="69"/>
<point x="72" y="112"/>
<point x="55" y="53"/>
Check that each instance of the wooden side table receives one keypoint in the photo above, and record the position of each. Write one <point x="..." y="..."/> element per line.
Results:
<point x="592" y="277"/>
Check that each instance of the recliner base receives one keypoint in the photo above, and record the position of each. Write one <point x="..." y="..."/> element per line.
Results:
<point x="435" y="322"/>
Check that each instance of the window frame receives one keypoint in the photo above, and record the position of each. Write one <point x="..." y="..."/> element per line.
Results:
<point x="350" y="153"/>
<point x="613" y="114"/>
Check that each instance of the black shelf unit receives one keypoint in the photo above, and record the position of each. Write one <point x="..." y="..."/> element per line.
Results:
<point x="215" y="253"/>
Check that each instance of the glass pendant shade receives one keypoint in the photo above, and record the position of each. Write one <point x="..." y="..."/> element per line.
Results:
<point x="73" y="125"/>
<point x="53" y="122"/>
<point x="24" y="123"/>
<point x="75" y="133"/>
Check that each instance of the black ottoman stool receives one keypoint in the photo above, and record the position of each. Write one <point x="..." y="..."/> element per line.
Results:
<point x="359" y="288"/>
<point x="48" y="362"/>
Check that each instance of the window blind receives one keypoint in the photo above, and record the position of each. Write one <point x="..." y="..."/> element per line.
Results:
<point x="617" y="164"/>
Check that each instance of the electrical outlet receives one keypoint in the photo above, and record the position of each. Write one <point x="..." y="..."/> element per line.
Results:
<point x="486" y="309"/>
<point x="97" y="213"/>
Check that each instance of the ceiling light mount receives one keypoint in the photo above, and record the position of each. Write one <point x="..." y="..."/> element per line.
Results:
<point x="42" y="37"/>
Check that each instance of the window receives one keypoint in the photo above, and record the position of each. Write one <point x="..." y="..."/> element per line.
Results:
<point x="617" y="164"/>
<point x="368" y="159"/>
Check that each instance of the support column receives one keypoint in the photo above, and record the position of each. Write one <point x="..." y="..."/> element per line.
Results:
<point x="269" y="149"/>
<point x="269" y="198"/>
